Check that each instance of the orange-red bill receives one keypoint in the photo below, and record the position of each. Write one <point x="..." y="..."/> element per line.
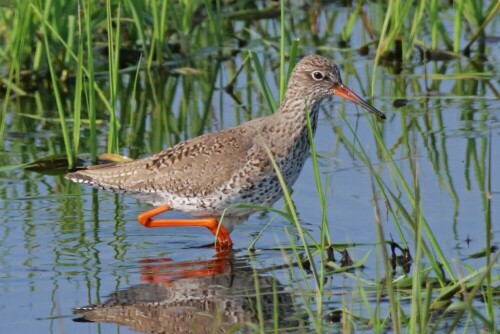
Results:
<point x="348" y="94"/>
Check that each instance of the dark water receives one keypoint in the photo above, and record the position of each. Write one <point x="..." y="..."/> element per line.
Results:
<point x="63" y="246"/>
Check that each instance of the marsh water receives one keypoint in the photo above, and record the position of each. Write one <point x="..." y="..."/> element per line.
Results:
<point x="64" y="246"/>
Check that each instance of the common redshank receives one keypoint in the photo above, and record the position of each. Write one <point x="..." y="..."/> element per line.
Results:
<point x="207" y="176"/>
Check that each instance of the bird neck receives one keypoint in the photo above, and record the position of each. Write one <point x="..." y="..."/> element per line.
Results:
<point x="294" y="110"/>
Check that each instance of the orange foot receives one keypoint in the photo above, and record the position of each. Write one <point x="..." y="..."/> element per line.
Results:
<point x="223" y="240"/>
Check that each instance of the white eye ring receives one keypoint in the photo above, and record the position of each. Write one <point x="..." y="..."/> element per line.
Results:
<point x="317" y="75"/>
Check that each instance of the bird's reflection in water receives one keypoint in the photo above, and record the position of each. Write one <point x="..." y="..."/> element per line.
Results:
<point x="207" y="296"/>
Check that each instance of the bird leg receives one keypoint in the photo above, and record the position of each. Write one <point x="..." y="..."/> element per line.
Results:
<point x="223" y="239"/>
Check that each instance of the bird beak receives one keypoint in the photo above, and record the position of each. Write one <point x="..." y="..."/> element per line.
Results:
<point x="348" y="94"/>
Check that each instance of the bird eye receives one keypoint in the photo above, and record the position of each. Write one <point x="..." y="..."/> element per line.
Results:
<point x="317" y="75"/>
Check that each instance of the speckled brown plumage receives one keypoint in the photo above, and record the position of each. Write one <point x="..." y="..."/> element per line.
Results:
<point x="205" y="175"/>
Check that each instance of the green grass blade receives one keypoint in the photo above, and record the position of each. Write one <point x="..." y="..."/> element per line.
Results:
<point x="91" y="84"/>
<point x="282" y="51"/>
<point x="55" y="85"/>
<point x="266" y="91"/>
<point x="113" y="60"/>
<point x="77" y="103"/>
<point x="294" y="50"/>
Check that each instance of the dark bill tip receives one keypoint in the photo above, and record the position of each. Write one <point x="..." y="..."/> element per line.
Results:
<point x="348" y="94"/>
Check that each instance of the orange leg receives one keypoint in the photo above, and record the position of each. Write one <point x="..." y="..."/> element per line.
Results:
<point x="223" y="239"/>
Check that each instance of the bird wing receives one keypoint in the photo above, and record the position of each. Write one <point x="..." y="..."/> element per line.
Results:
<point x="201" y="164"/>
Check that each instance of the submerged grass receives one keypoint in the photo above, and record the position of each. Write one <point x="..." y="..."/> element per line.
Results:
<point x="182" y="46"/>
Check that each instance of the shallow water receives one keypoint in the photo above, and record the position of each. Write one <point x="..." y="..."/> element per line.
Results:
<point x="65" y="246"/>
